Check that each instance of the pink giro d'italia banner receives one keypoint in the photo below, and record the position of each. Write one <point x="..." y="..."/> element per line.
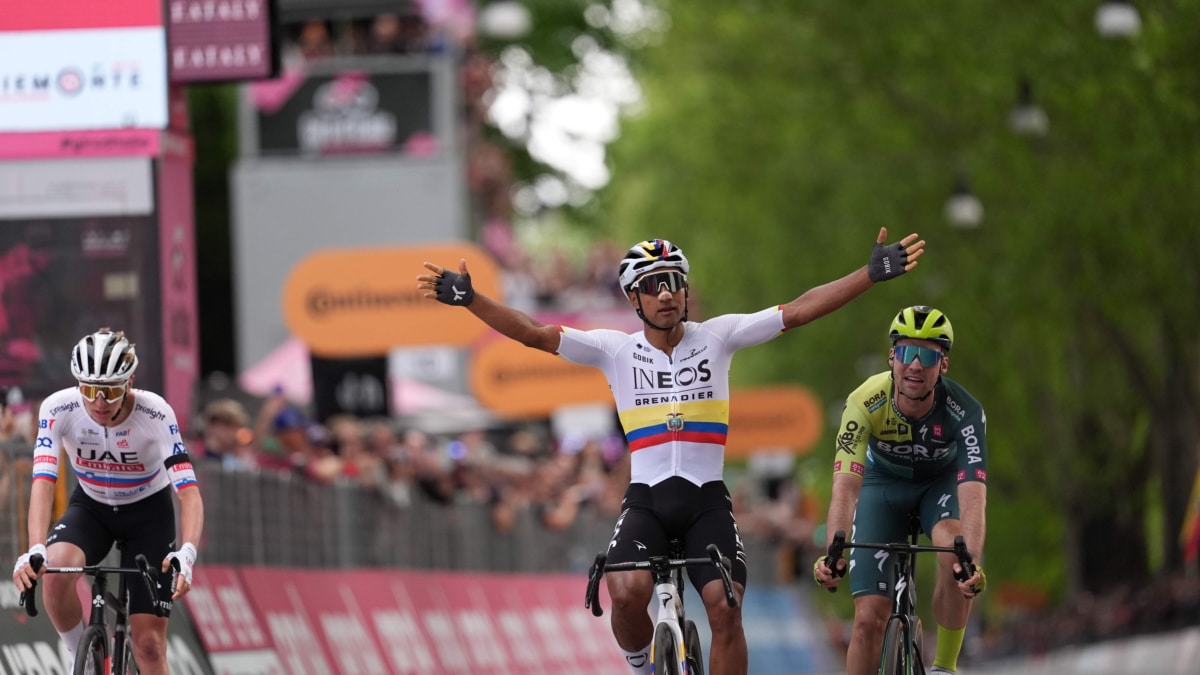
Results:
<point x="68" y="65"/>
<point x="260" y="620"/>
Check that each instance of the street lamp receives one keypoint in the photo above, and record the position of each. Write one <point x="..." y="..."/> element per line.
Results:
<point x="963" y="209"/>
<point x="1027" y="117"/>
<point x="1118" y="19"/>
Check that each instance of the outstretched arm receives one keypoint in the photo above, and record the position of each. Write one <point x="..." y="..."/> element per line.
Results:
<point x="455" y="288"/>
<point x="887" y="262"/>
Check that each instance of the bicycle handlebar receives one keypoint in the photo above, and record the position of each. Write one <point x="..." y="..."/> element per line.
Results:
<point x="838" y="546"/>
<point x="599" y="567"/>
<point x="148" y="574"/>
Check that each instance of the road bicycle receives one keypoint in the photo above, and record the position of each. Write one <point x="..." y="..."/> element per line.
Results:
<point x="96" y="655"/>
<point x="903" y="638"/>
<point x="676" y="649"/>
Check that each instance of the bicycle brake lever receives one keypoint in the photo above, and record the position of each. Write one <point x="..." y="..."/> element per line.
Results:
<point x="965" y="561"/>
<point x="28" y="600"/>
<point x="836" y="547"/>
<point x="592" y="599"/>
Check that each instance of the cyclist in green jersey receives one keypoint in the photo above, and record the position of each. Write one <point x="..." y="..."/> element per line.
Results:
<point x="911" y="440"/>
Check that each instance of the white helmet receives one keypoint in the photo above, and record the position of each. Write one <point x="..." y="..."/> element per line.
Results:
<point x="104" y="357"/>
<point x="650" y="255"/>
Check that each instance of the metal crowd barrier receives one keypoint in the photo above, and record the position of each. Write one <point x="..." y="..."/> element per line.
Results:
<point x="278" y="519"/>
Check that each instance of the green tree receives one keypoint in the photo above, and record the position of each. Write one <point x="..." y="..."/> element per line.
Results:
<point x="777" y="138"/>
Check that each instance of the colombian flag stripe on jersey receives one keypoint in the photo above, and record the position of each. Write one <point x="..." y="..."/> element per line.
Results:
<point x="692" y="432"/>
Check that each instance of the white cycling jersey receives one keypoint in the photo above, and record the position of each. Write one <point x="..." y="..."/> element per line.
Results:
<point x="674" y="409"/>
<point x="115" y="465"/>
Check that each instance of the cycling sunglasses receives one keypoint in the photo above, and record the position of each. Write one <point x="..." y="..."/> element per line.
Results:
<point x="111" y="394"/>
<point x="908" y="353"/>
<point x="652" y="284"/>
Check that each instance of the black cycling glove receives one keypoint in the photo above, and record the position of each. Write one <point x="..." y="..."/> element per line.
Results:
<point x="887" y="262"/>
<point x="453" y="288"/>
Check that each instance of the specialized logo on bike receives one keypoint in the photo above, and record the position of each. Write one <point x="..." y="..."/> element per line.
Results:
<point x="675" y="421"/>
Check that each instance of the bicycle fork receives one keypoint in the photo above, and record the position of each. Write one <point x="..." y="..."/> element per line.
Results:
<point x="114" y="650"/>
<point x="670" y="613"/>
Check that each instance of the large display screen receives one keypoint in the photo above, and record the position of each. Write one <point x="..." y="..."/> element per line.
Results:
<point x="79" y="250"/>
<point x="67" y="66"/>
<point x="221" y="41"/>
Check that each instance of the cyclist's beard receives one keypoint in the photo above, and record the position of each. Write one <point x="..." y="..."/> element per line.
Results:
<point x="650" y="323"/>
<point x="896" y="388"/>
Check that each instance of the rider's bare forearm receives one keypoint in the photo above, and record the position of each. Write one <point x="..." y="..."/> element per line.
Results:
<point x="41" y="501"/>
<point x="826" y="298"/>
<point x="191" y="515"/>
<point x="515" y="324"/>
<point x="972" y="507"/>
<point x="841" y="505"/>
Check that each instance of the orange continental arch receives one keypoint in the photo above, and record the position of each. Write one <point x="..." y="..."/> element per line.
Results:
<point x="365" y="301"/>
<point x="786" y="417"/>
<point x="514" y="381"/>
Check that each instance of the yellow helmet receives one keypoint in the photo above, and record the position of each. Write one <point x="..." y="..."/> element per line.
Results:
<point x="923" y="323"/>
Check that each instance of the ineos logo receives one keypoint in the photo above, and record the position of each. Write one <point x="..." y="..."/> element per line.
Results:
<point x="665" y="379"/>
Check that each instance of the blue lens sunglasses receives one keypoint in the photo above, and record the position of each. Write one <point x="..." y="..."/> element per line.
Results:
<point x="927" y="355"/>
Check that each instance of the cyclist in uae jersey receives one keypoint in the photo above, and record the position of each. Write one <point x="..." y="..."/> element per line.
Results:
<point x="671" y="386"/>
<point x="913" y="441"/>
<point x="125" y="449"/>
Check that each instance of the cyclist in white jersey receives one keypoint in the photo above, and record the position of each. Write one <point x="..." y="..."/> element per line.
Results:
<point x="126" y="451"/>
<point x="671" y="386"/>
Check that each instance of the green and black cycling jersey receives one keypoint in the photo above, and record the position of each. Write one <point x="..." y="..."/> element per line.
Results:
<point x="874" y="432"/>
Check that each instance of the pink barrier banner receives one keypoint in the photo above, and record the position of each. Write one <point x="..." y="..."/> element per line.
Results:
<point x="235" y="639"/>
<point x="391" y="621"/>
<point x="100" y="143"/>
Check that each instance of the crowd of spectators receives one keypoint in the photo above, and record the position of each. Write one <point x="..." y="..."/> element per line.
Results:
<point x="1154" y="605"/>
<point x="530" y="469"/>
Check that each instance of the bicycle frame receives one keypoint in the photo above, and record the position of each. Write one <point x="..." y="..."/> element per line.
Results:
<point x="903" y="625"/>
<point x="670" y="617"/>
<point x="101" y="600"/>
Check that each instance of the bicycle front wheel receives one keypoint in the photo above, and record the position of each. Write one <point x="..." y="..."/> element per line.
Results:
<point x="128" y="665"/>
<point x="92" y="651"/>
<point x="665" y="651"/>
<point x="897" y="657"/>
<point x="694" y="653"/>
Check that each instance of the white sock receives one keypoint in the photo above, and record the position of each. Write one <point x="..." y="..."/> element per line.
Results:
<point x="71" y="638"/>
<point x="639" y="661"/>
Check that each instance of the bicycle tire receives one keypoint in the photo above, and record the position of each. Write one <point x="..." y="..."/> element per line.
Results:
<point x="92" y="652"/>
<point x="129" y="665"/>
<point x="695" y="652"/>
<point x="893" y="659"/>
<point x="665" y="651"/>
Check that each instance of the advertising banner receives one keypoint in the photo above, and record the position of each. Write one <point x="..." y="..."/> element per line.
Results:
<point x="73" y="65"/>
<point x="364" y="302"/>
<point x="231" y="40"/>
<point x="771" y="418"/>
<point x="403" y="622"/>
<point x="178" y="312"/>
<point x="514" y="381"/>
<point x="77" y="253"/>
<point x="232" y="634"/>
<point x="349" y="112"/>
